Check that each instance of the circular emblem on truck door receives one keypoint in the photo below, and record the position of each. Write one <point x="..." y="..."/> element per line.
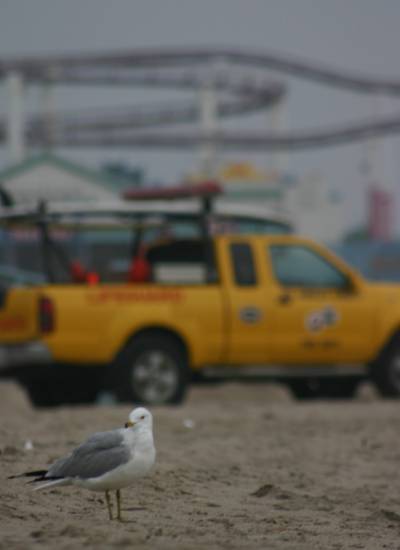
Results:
<point x="325" y="317"/>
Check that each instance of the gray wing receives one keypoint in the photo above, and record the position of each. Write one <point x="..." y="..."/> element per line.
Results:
<point x="101" y="453"/>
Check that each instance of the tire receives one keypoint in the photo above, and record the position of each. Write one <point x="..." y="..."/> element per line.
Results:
<point x="152" y="370"/>
<point x="385" y="371"/>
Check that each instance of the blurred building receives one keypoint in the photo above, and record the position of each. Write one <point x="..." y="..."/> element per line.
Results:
<point x="316" y="209"/>
<point x="308" y="201"/>
<point x="244" y="182"/>
<point x="380" y="213"/>
<point x="49" y="177"/>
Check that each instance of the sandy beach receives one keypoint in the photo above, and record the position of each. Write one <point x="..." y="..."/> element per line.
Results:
<point x="238" y="466"/>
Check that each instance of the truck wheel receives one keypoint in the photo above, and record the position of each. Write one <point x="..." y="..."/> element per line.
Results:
<point x="385" y="371"/>
<point x="152" y="370"/>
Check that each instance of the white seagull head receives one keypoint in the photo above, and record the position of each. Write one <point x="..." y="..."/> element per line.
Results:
<point x="140" y="418"/>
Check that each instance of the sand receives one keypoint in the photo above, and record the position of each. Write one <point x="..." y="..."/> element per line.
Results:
<point x="238" y="466"/>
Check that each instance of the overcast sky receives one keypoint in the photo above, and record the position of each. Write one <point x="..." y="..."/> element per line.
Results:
<point x="359" y="35"/>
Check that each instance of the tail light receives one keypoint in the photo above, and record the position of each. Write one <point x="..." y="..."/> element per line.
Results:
<point x="46" y="314"/>
<point x="3" y="296"/>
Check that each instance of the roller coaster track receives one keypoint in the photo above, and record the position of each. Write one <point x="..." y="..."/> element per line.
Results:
<point x="241" y="78"/>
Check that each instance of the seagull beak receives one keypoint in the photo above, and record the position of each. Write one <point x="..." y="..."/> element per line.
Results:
<point x="129" y="424"/>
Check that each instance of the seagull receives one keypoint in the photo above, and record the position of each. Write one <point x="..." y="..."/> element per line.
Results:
<point x="106" y="461"/>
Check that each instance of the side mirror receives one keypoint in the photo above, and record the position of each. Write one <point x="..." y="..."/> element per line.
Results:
<point x="350" y="285"/>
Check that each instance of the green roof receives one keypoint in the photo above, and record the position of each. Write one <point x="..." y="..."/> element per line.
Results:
<point x="95" y="176"/>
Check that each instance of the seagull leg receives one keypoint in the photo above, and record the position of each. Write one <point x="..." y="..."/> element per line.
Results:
<point x="118" y="493"/>
<point x="109" y="506"/>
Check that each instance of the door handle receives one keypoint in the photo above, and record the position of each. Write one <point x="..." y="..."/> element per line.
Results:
<point x="284" y="298"/>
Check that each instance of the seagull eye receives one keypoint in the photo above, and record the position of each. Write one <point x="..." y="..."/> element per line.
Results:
<point x="142" y="418"/>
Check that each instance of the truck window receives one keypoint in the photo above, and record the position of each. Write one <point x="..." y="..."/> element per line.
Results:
<point x="244" y="272"/>
<point x="297" y="265"/>
<point x="181" y="261"/>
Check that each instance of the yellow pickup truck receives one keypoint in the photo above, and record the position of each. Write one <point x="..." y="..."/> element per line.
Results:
<point x="233" y="305"/>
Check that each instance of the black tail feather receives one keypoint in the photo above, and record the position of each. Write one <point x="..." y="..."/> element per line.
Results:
<point x="37" y="473"/>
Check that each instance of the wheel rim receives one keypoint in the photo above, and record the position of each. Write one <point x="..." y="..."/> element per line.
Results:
<point x="154" y="376"/>
<point x="395" y="372"/>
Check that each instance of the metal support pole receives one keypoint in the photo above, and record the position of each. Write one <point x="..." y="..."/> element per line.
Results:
<point x="15" y="122"/>
<point x="209" y="259"/>
<point x="279" y="160"/>
<point x="209" y="125"/>
<point x="278" y="123"/>
<point x="48" y="114"/>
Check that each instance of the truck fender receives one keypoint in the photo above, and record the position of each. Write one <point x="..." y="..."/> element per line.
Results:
<point x="155" y="331"/>
<point x="384" y="370"/>
<point x="388" y="345"/>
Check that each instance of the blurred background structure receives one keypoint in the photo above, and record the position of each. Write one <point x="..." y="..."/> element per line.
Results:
<point x="311" y="133"/>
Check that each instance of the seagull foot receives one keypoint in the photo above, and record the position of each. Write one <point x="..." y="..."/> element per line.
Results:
<point x="109" y="505"/>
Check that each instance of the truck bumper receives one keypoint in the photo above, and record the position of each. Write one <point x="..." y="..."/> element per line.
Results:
<point x="14" y="356"/>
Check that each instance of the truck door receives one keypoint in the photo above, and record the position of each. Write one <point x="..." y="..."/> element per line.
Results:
<point x="248" y="326"/>
<point x="319" y="311"/>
